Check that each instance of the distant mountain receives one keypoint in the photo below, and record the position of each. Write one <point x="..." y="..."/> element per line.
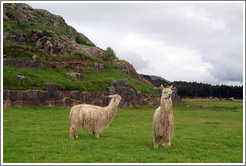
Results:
<point x="156" y="80"/>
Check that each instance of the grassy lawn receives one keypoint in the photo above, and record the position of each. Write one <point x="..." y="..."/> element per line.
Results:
<point x="93" y="81"/>
<point x="213" y="134"/>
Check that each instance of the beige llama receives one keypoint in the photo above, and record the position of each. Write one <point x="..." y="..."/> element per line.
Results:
<point x="93" y="118"/>
<point x="163" y="119"/>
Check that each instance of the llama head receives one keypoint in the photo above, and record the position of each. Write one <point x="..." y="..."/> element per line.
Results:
<point x="115" y="98"/>
<point x="167" y="92"/>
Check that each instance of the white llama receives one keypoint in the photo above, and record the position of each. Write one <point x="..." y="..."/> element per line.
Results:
<point x="163" y="119"/>
<point x="93" y="118"/>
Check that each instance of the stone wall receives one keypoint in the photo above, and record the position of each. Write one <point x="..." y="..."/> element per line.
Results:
<point x="52" y="97"/>
<point x="20" y="98"/>
<point x="130" y="97"/>
<point x="29" y="63"/>
<point x="22" y="63"/>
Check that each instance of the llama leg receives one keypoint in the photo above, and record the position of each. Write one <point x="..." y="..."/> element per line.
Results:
<point x="166" y="141"/>
<point x="76" y="131"/>
<point x="73" y="132"/>
<point x="157" y="140"/>
<point x="96" y="134"/>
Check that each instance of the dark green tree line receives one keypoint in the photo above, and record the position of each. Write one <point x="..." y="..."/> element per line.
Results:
<point x="194" y="89"/>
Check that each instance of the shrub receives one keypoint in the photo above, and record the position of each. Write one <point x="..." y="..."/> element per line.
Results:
<point x="81" y="40"/>
<point x="108" y="54"/>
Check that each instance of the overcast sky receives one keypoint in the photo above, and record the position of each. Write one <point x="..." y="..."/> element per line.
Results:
<point x="200" y="42"/>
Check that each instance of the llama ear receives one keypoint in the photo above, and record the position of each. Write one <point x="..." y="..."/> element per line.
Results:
<point x="162" y="87"/>
<point x="111" y="96"/>
<point x="171" y="87"/>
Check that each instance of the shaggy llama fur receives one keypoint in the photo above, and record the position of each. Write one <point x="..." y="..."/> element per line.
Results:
<point x="163" y="119"/>
<point x="93" y="118"/>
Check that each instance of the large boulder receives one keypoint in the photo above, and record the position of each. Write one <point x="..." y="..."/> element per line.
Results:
<point x="105" y="100"/>
<point x="5" y="94"/>
<point x="79" y="70"/>
<point x="19" y="36"/>
<point x="175" y="96"/>
<point x="75" y="95"/>
<point x="54" y="95"/>
<point x="21" y="95"/>
<point x="43" y="96"/>
<point x="86" y="97"/>
<point x="113" y="83"/>
<point x="50" y="87"/>
<point x="35" y="58"/>
<point x="22" y="78"/>
<point x="139" y="94"/>
<point x="13" y="95"/>
<point x="77" y="76"/>
<point x="124" y="82"/>
<point x="69" y="102"/>
<point x="32" y="95"/>
<point x="57" y="103"/>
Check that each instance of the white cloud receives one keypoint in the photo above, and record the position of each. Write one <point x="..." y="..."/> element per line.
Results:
<point x="200" y="42"/>
<point x="165" y="60"/>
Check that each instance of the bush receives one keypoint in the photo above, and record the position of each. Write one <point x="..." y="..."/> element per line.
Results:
<point x="108" y="54"/>
<point x="81" y="40"/>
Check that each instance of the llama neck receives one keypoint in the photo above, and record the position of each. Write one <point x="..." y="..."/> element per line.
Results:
<point x="166" y="105"/>
<point x="112" y="109"/>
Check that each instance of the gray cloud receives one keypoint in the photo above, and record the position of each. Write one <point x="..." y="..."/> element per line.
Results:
<point x="211" y="32"/>
<point x="135" y="59"/>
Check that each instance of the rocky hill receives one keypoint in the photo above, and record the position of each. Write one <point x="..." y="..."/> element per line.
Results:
<point x="28" y="32"/>
<point x="45" y="32"/>
<point x="48" y="63"/>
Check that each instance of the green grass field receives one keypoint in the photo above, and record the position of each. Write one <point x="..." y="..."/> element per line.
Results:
<point x="213" y="134"/>
<point x="93" y="81"/>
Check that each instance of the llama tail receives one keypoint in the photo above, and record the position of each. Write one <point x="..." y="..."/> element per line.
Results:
<point x="70" y="115"/>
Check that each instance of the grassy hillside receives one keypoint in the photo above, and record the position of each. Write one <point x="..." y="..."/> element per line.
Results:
<point x="209" y="135"/>
<point x="29" y="32"/>
<point x="93" y="81"/>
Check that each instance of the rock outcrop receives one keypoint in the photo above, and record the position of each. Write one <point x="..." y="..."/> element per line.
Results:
<point x="47" y="31"/>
